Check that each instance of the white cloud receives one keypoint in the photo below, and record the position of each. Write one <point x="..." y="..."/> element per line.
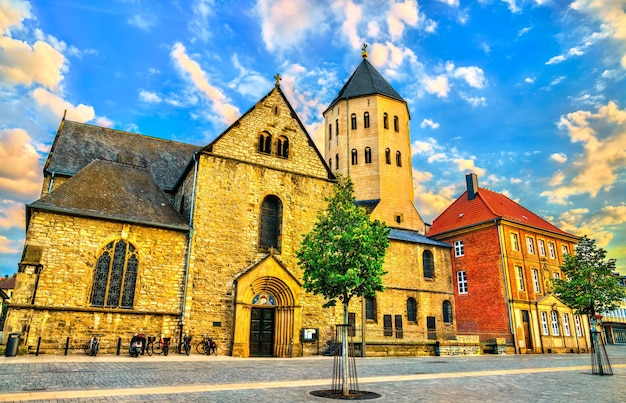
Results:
<point x="12" y="13"/>
<point x="468" y="166"/>
<point x="474" y="76"/>
<point x="141" y="21"/>
<point x="429" y="123"/>
<point x="529" y="80"/>
<point x="427" y="147"/>
<point x="436" y="85"/>
<point x="602" y="136"/>
<point x="20" y="171"/>
<point x="21" y="63"/>
<point x="559" y="157"/>
<point x="199" y="23"/>
<point x="353" y="14"/>
<point x="149" y="96"/>
<point x="474" y="101"/>
<point x="59" y="106"/>
<point x="401" y="14"/>
<point x="191" y="69"/>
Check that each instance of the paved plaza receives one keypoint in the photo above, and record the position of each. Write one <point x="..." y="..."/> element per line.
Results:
<point x="198" y="378"/>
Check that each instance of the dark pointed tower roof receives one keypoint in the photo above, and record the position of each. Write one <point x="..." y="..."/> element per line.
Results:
<point x="366" y="80"/>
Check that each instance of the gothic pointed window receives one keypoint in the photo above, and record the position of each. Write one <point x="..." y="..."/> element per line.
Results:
<point x="388" y="156"/>
<point x="398" y="158"/>
<point x="282" y="147"/>
<point x="115" y="276"/>
<point x="366" y="120"/>
<point x="368" y="155"/>
<point x="265" y="143"/>
<point x="270" y="230"/>
<point x="353" y="120"/>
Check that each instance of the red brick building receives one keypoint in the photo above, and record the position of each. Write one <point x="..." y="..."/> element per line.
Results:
<point x="503" y="259"/>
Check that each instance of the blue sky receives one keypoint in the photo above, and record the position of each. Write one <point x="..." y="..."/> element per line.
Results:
<point x="528" y="94"/>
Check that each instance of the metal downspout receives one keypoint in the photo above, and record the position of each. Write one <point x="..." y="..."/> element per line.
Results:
<point x="189" y="241"/>
<point x="506" y="284"/>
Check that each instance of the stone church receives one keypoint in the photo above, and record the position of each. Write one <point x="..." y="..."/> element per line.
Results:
<point x="135" y="233"/>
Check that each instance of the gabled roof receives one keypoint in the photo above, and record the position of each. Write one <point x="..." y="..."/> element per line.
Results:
<point x="78" y="144"/>
<point x="366" y="80"/>
<point x="487" y="206"/>
<point x="113" y="191"/>
<point x="7" y="283"/>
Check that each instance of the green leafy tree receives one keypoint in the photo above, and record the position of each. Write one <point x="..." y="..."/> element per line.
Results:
<point x="590" y="286"/>
<point x="343" y="255"/>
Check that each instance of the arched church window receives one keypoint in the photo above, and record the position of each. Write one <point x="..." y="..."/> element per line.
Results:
<point x="270" y="231"/>
<point x="353" y="121"/>
<point x="368" y="155"/>
<point x="388" y="156"/>
<point x="115" y="276"/>
<point x="385" y="120"/>
<point x="282" y="147"/>
<point x="265" y="143"/>
<point x="366" y="120"/>
<point x="447" y="311"/>
<point x="411" y="310"/>
<point x="429" y="264"/>
<point x="355" y="157"/>
<point x="398" y="158"/>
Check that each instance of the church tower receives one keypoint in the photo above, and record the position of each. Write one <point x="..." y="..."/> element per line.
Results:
<point x="367" y="137"/>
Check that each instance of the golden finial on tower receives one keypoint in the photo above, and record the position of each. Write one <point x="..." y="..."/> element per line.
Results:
<point x="364" y="51"/>
<point x="278" y="78"/>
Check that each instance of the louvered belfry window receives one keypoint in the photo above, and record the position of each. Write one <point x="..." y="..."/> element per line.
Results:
<point x="116" y="276"/>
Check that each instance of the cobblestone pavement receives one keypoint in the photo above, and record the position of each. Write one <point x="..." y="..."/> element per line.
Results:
<point x="198" y="378"/>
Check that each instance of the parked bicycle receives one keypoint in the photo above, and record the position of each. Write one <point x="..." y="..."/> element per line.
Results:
<point x="207" y="346"/>
<point x="185" y="345"/>
<point x="93" y="345"/>
<point x="162" y="346"/>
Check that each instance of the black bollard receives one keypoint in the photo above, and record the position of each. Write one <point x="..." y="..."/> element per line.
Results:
<point x="67" y="344"/>
<point x="119" y="344"/>
<point x="38" y="345"/>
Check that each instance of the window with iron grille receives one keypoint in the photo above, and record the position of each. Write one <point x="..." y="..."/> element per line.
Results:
<point x="428" y="263"/>
<point x="115" y="276"/>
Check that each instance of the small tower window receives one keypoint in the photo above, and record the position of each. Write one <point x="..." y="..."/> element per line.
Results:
<point x="366" y="119"/>
<point x="353" y="120"/>
<point x="396" y="124"/>
<point x="388" y="156"/>
<point x="330" y="131"/>
<point x="337" y="161"/>
<point x="265" y="143"/>
<point x="276" y="110"/>
<point x="355" y="157"/>
<point x="337" y="127"/>
<point x="368" y="155"/>
<point x="385" y="120"/>
<point x="282" y="147"/>
<point x="398" y="158"/>
<point x="330" y="164"/>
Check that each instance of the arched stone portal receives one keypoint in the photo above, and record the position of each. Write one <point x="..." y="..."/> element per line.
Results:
<point x="267" y="311"/>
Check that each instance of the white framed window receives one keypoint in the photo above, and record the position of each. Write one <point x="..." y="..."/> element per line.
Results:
<point x="459" y="249"/>
<point x="542" y="247"/>
<point x="520" y="278"/>
<point x="566" y="329"/>
<point x="514" y="241"/>
<point x="544" y="323"/>
<point x="554" y="321"/>
<point x="461" y="280"/>
<point x="536" y="282"/>
<point x="552" y="250"/>
<point x="530" y="245"/>
<point x="579" y="330"/>
<point x="564" y="250"/>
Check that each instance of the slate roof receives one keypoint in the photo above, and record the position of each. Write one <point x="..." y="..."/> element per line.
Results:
<point x="368" y="205"/>
<point x="414" y="237"/>
<point x="78" y="144"/>
<point x="113" y="191"/>
<point x="487" y="206"/>
<point x="366" y="80"/>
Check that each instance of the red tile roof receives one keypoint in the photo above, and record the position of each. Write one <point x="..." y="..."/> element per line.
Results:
<point x="486" y="206"/>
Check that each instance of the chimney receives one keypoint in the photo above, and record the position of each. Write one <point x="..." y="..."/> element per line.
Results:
<point x="472" y="186"/>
